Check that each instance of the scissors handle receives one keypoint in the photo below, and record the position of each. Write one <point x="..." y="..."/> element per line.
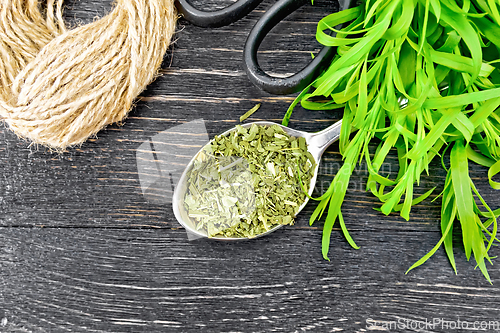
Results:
<point x="277" y="85"/>
<point x="217" y="18"/>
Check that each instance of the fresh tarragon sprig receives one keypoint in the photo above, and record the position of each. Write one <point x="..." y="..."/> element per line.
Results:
<point x="421" y="76"/>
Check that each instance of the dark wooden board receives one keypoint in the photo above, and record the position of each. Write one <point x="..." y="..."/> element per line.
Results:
<point x="81" y="249"/>
<point x="145" y="280"/>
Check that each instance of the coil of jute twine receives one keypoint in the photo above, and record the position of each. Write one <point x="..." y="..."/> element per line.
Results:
<point x="59" y="86"/>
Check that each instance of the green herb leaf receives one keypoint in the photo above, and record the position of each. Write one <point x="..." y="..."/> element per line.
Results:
<point x="420" y="76"/>
<point x="249" y="112"/>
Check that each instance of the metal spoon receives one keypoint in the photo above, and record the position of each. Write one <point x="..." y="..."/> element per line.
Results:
<point x="316" y="145"/>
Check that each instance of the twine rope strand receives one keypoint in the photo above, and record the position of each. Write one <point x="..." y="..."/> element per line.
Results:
<point x="60" y="86"/>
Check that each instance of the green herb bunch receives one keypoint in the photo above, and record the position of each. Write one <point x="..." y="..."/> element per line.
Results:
<point x="423" y="77"/>
<point x="247" y="182"/>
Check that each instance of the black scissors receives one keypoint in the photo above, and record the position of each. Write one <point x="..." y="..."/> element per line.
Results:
<point x="279" y="11"/>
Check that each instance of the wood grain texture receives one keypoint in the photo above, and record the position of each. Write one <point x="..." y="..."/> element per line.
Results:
<point x="82" y="250"/>
<point x="146" y="280"/>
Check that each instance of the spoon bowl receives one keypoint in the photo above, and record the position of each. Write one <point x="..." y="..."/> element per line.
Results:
<point x="316" y="145"/>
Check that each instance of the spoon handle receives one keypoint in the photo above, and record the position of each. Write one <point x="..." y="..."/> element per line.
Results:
<point x="321" y="140"/>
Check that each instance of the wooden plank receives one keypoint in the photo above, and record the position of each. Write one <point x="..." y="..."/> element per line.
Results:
<point x="82" y="250"/>
<point x="100" y="186"/>
<point x="97" y="183"/>
<point x="143" y="280"/>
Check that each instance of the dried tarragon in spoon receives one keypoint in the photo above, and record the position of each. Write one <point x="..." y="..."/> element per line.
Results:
<point x="246" y="183"/>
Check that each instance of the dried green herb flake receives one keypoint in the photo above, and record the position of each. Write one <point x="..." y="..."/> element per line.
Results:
<point x="245" y="183"/>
